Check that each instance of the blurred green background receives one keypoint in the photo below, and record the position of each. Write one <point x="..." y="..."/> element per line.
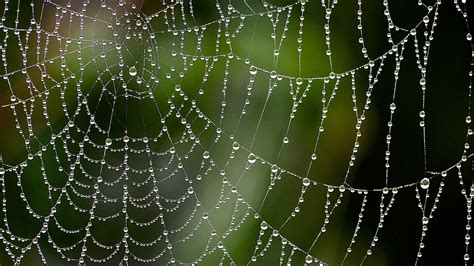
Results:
<point x="85" y="76"/>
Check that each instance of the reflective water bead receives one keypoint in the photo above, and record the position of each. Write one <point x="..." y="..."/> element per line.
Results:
<point x="299" y="81"/>
<point x="425" y="220"/>
<point x="306" y="181"/>
<point x="235" y="146"/>
<point x="342" y="188"/>
<point x="132" y="71"/>
<point x="274" y="168"/>
<point x="252" y="158"/>
<point x="425" y="183"/>
<point x="273" y="74"/>
<point x="253" y="70"/>
<point x="190" y="190"/>
<point x="108" y="142"/>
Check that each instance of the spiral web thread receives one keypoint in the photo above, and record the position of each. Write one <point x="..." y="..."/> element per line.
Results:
<point x="98" y="165"/>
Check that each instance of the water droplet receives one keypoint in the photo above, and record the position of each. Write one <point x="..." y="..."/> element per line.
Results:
<point x="252" y="158"/>
<point x="308" y="259"/>
<point x="393" y="107"/>
<point x="132" y="71"/>
<point x="342" y="188"/>
<point x="190" y="190"/>
<point x="469" y="37"/>
<point x="422" y="82"/>
<point x="264" y="226"/>
<point x="235" y="146"/>
<point x="273" y="74"/>
<point x="274" y="168"/>
<point x="108" y="142"/>
<point x="425" y="183"/>
<point x="2" y="170"/>
<point x="425" y="220"/>
<point x="205" y="155"/>
<point x="299" y="81"/>
<point x="306" y="181"/>
<point x="253" y="70"/>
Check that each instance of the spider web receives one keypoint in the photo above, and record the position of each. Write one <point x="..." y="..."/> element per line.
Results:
<point x="177" y="134"/>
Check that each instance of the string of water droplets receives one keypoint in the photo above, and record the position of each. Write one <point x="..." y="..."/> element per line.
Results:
<point x="107" y="171"/>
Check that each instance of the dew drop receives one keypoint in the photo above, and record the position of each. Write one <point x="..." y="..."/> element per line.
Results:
<point x="273" y="74"/>
<point x="190" y="190"/>
<point x="342" y="188"/>
<point x="306" y="181"/>
<point x="425" y="183"/>
<point x="299" y="81"/>
<point x="235" y="146"/>
<point x="252" y="158"/>
<point x="108" y="142"/>
<point x="132" y="71"/>
<point x="274" y="168"/>
<point x="253" y="70"/>
<point x="425" y="220"/>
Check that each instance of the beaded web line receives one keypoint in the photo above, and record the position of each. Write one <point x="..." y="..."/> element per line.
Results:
<point x="106" y="171"/>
